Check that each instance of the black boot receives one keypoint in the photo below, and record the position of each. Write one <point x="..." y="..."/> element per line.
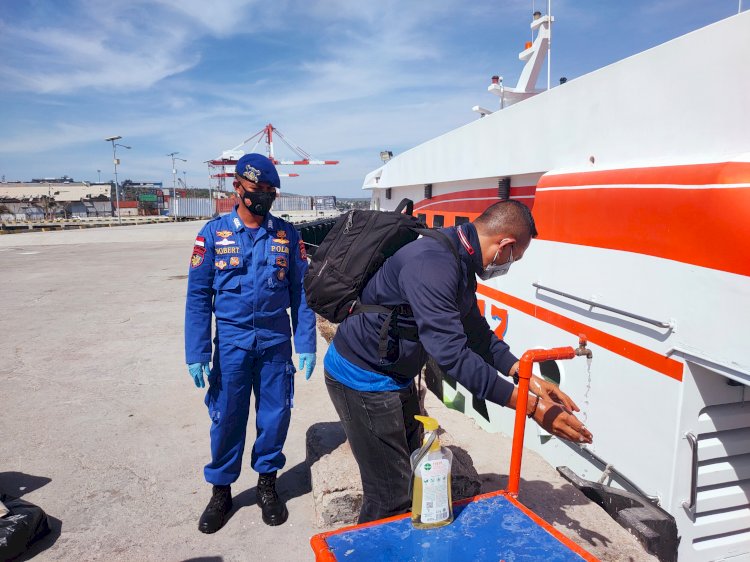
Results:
<point x="274" y="510"/>
<point x="215" y="514"/>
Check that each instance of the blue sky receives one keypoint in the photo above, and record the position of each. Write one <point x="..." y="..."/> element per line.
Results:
<point x="343" y="79"/>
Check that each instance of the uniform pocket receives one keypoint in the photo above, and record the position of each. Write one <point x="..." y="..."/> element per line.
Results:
<point x="224" y="281"/>
<point x="279" y="277"/>
<point x="290" y="370"/>
<point x="212" y="395"/>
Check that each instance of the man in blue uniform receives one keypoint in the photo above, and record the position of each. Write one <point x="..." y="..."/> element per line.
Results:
<point x="375" y="396"/>
<point x="247" y="268"/>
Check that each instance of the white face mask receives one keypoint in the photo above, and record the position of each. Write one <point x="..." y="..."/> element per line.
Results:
<point x="493" y="270"/>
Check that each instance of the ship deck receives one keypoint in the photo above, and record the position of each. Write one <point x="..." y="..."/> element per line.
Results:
<point x="103" y="428"/>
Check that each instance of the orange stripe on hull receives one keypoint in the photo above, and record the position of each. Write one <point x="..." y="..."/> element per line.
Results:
<point x="707" y="227"/>
<point x="704" y="227"/>
<point x="691" y="174"/>
<point x="640" y="355"/>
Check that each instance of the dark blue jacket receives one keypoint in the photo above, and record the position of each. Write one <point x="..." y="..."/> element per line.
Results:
<point x="248" y="284"/>
<point x="426" y="275"/>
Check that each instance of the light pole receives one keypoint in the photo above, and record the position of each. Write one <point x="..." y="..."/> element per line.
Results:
<point x="100" y="175"/>
<point x="174" y="177"/>
<point x="116" y="161"/>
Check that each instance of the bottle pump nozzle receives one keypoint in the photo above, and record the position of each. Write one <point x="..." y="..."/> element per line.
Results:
<point x="430" y="425"/>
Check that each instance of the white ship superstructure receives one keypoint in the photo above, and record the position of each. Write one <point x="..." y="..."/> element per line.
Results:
<point x="638" y="176"/>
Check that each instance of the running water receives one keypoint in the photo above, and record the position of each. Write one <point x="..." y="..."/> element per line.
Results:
<point x="586" y="393"/>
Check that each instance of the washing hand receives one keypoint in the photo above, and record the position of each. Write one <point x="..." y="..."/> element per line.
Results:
<point x="307" y="362"/>
<point x="197" y="370"/>
<point x="558" y="421"/>
<point x="550" y="391"/>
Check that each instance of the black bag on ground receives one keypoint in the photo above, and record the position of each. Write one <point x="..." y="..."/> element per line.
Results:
<point x="353" y="251"/>
<point x="24" y="524"/>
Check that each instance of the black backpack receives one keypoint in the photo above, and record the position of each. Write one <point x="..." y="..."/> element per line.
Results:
<point x="353" y="251"/>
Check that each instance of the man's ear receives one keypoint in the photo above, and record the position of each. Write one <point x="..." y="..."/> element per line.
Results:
<point x="236" y="184"/>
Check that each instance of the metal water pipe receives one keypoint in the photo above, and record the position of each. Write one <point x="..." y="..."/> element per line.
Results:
<point x="524" y="376"/>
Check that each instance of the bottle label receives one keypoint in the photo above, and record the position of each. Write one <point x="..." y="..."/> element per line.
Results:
<point x="435" y="475"/>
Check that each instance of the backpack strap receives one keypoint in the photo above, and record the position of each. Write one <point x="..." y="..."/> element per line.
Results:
<point x="404" y="309"/>
<point x="443" y="238"/>
<point x="407" y="204"/>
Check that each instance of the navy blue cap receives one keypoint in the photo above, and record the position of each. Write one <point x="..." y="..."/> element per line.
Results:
<point x="257" y="168"/>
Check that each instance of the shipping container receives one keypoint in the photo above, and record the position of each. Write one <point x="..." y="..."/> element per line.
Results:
<point x="325" y="202"/>
<point x="191" y="207"/>
<point x="292" y="203"/>
<point x="224" y="206"/>
<point x="102" y="208"/>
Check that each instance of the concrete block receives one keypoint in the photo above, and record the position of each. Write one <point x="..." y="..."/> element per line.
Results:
<point x="334" y="476"/>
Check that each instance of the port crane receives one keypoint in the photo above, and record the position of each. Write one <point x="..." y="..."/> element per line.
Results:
<point x="228" y="159"/>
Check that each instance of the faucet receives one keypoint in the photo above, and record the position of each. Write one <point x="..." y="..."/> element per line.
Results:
<point x="582" y="349"/>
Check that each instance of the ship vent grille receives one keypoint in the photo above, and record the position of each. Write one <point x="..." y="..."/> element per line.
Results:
<point x="722" y="510"/>
<point x="503" y="189"/>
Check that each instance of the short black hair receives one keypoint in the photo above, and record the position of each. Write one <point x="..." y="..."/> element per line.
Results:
<point x="507" y="217"/>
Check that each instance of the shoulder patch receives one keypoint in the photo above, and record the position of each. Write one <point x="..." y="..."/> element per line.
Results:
<point x="302" y="251"/>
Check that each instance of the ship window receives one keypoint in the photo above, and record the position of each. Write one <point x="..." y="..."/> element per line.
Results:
<point x="550" y="371"/>
<point x="388" y="193"/>
<point x="421" y="217"/>
<point x="438" y="221"/>
<point x="461" y="220"/>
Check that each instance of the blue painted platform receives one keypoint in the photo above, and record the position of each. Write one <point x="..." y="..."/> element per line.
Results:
<point x="488" y="529"/>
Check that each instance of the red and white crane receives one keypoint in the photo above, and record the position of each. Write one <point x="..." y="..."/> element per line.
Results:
<point x="229" y="157"/>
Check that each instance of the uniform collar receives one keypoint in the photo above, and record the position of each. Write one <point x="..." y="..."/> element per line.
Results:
<point x="468" y="240"/>
<point x="236" y="221"/>
<point x="268" y="224"/>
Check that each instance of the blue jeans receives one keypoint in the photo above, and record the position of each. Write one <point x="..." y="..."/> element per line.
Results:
<point x="382" y="433"/>
<point x="235" y="374"/>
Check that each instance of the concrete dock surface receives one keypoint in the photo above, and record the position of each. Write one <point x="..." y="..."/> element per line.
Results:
<point x="103" y="428"/>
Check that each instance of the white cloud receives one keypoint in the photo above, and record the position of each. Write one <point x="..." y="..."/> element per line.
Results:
<point x="343" y="79"/>
<point x="127" y="46"/>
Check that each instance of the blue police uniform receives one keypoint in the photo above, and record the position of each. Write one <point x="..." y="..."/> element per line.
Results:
<point x="425" y="275"/>
<point x="247" y="278"/>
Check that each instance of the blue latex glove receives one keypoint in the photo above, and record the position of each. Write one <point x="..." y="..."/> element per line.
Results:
<point x="307" y="362"/>
<point x="197" y="370"/>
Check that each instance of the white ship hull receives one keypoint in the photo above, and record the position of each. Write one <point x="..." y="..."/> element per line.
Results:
<point x="638" y="176"/>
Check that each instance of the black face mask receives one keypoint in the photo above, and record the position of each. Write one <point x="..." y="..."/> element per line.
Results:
<point x="260" y="201"/>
